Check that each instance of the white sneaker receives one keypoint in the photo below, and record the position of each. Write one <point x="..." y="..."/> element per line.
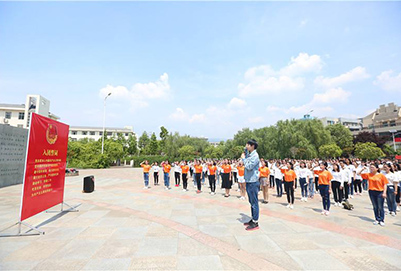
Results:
<point x="351" y="196"/>
<point x="166" y="188"/>
<point x="306" y="199"/>
<point x="398" y="209"/>
<point x="381" y="223"/>
<point x="184" y="189"/>
<point x="292" y="207"/>
<point x="376" y="223"/>
<point x="323" y="212"/>
<point x="242" y="198"/>
<point x="288" y="206"/>
<point x="145" y="187"/>
<point x="327" y="213"/>
<point x="392" y="213"/>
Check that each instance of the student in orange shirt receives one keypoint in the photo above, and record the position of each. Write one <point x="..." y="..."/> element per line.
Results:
<point x="184" y="169"/>
<point x="198" y="171"/>
<point x="226" y="183"/>
<point x="289" y="183"/>
<point x="264" y="181"/>
<point x="377" y="191"/>
<point x="324" y="180"/>
<point x="146" y="167"/>
<point x="212" y="177"/>
<point x="166" y="169"/>
<point x="241" y="179"/>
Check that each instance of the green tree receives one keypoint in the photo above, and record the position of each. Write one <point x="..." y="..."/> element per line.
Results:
<point x="143" y="142"/>
<point x="341" y="135"/>
<point x="132" y="144"/>
<point x="163" y="137"/>
<point x="368" y="150"/>
<point x="153" y="145"/>
<point x="330" y="151"/>
<point x="186" y="152"/>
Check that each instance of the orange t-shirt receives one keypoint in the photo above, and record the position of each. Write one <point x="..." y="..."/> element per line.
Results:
<point x="376" y="181"/>
<point x="166" y="168"/>
<point x="324" y="176"/>
<point x="146" y="168"/>
<point x="264" y="172"/>
<point x="289" y="175"/>
<point x="226" y="168"/>
<point x="241" y="171"/>
<point x="212" y="170"/>
<point x="185" y="169"/>
<point x="198" y="169"/>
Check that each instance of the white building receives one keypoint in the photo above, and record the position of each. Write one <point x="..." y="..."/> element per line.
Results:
<point x="95" y="133"/>
<point x="352" y="124"/>
<point x="18" y="115"/>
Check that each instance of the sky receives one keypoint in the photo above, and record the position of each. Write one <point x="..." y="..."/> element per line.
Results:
<point x="201" y="68"/>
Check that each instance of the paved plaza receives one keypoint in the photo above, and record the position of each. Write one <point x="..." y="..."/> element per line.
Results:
<point x="123" y="226"/>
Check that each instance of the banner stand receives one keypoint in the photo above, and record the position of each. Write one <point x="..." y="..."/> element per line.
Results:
<point x="71" y="208"/>
<point x="20" y="233"/>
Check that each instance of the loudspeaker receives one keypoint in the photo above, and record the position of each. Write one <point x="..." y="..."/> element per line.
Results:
<point x="89" y="184"/>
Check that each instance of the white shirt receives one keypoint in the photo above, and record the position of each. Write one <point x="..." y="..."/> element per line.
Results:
<point x="156" y="168"/>
<point x="277" y="173"/>
<point x="303" y="173"/>
<point x="351" y="168"/>
<point x="338" y="177"/>
<point x="391" y="177"/>
<point x="346" y="175"/>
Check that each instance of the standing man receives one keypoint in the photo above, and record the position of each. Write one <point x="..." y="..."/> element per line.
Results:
<point x="251" y="163"/>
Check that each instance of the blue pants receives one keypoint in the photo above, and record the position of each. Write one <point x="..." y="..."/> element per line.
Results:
<point x="252" y="191"/>
<point x="365" y="184"/>
<point x="304" y="187"/>
<point x="311" y="186"/>
<point x="324" y="192"/>
<point x="378" y="204"/>
<point x="391" y="204"/>
<point x="279" y="186"/>
<point x="146" y="178"/>
<point x="166" y="179"/>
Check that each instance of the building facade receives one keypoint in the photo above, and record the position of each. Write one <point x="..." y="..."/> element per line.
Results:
<point x="18" y="115"/>
<point x="95" y="133"/>
<point x="352" y="124"/>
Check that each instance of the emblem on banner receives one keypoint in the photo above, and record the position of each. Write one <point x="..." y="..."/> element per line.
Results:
<point x="51" y="134"/>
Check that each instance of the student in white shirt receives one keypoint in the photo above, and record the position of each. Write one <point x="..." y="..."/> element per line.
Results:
<point x="392" y="178"/>
<point x="337" y="184"/>
<point x="278" y="176"/>
<point x="156" y="170"/>
<point x="303" y="180"/>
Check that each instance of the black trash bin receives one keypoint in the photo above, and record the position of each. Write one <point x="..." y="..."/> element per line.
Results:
<point x="89" y="184"/>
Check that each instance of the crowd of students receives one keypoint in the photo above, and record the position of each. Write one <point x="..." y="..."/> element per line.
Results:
<point x="343" y="179"/>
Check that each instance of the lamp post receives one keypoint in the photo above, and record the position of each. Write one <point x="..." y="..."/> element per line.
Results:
<point x="104" y="119"/>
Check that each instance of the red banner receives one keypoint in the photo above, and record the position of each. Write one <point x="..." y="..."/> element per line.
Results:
<point x="398" y="157"/>
<point x="397" y="139"/>
<point x="45" y="166"/>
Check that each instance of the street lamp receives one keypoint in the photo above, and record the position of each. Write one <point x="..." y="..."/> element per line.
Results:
<point x="104" y="119"/>
<point x="393" y="132"/>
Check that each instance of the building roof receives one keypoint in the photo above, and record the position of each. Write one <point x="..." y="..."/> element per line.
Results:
<point x="21" y="106"/>
<point x="108" y="129"/>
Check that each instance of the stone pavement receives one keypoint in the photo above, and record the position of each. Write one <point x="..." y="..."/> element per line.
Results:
<point x="122" y="226"/>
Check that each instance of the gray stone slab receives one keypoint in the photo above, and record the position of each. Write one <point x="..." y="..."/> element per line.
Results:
<point x="108" y="264"/>
<point x="160" y="246"/>
<point x="130" y="233"/>
<point x="210" y="262"/>
<point x="215" y="230"/>
<point x="387" y="254"/>
<point x="73" y="250"/>
<point x="57" y="264"/>
<point x="317" y="260"/>
<point x="257" y="243"/>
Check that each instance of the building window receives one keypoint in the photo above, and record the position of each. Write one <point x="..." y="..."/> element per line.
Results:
<point x="392" y="123"/>
<point x="84" y="132"/>
<point x="21" y="115"/>
<point x="100" y="133"/>
<point x="92" y="133"/>
<point x="385" y="124"/>
<point x="109" y="133"/>
<point x="126" y="134"/>
<point x="8" y="115"/>
<point x="74" y="132"/>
